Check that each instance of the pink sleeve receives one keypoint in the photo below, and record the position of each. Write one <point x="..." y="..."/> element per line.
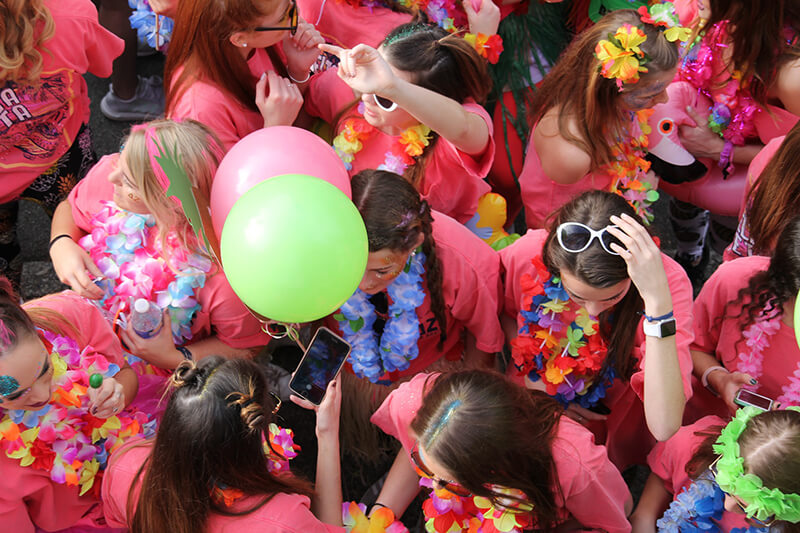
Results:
<point x="95" y="331"/>
<point x="118" y="479"/>
<point x="207" y="104"/>
<point x="471" y="281"/>
<point x="223" y="314"/>
<point x="294" y="516"/>
<point x="327" y="95"/>
<point x="668" y="459"/>
<point x="87" y="196"/>
<point x="395" y="414"/>
<point x="515" y="261"/>
<point x="90" y="47"/>
<point x="593" y="489"/>
<point x="756" y="167"/>
<point x="681" y="290"/>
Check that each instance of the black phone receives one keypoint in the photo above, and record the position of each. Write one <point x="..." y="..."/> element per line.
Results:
<point x="747" y="397"/>
<point x="321" y="363"/>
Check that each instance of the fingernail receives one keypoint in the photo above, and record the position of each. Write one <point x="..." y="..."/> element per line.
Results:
<point x="94" y="410"/>
<point x="263" y="75"/>
<point x="753" y="381"/>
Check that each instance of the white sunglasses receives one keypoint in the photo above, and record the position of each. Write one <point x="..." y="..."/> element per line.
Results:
<point x="575" y="237"/>
<point x="384" y="103"/>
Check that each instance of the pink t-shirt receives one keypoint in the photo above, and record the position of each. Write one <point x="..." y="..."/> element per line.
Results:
<point x="453" y="180"/>
<point x="628" y="437"/>
<point x="283" y="513"/>
<point x="471" y="290"/>
<point x="668" y="461"/>
<point x="592" y="489"/>
<point x="722" y="337"/>
<point x="541" y="195"/>
<point x="221" y="312"/>
<point x="344" y="25"/>
<point x="217" y="109"/>
<point x="38" y="124"/>
<point x="28" y="496"/>
<point x="741" y="245"/>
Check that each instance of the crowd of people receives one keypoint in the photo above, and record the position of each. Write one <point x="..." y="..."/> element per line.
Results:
<point x="515" y="368"/>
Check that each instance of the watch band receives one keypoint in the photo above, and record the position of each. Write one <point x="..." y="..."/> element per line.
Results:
<point x="660" y="329"/>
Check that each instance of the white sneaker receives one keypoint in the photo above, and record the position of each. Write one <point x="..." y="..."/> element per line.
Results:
<point x="146" y="104"/>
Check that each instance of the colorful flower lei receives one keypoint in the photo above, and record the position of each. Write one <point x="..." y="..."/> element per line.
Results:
<point x="620" y="56"/>
<point x="407" y="146"/>
<point x="151" y="27"/>
<point x="127" y="249"/>
<point x="398" y="343"/>
<point x="733" y="108"/>
<point x="751" y="361"/>
<point x="63" y="438"/>
<point x="763" y="503"/>
<point x="382" y="519"/>
<point x="559" y="342"/>
<point x="629" y="168"/>
<point x="663" y="16"/>
<point x="446" y="512"/>
<point x="698" y="507"/>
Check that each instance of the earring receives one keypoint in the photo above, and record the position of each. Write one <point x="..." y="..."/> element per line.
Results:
<point x="244" y="45"/>
<point x="133" y="197"/>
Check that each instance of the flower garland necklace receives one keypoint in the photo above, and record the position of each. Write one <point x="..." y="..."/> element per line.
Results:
<point x="698" y="507"/>
<point x="558" y="344"/>
<point x="751" y="361"/>
<point x="629" y="168"/>
<point x="398" y="343"/>
<point x="64" y="438"/>
<point x="403" y="153"/>
<point x="126" y="248"/>
<point x="733" y="109"/>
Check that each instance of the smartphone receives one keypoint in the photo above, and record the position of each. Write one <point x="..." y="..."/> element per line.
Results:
<point x="747" y="397"/>
<point x="322" y="361"/>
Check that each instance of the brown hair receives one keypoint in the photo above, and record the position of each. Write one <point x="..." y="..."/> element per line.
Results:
<point x="598" y="268"/>
<point x="766" y="291"/>
<point x="395" y="215"/>
<point x="756" y="35"/>
<point x="775" y="198"/>
<point x="581" y="94"/>
<point x="25" y="25"/>
<point x="768" y="446"/>
<point x="200" y="45"/>
<point x="211" y="433"/>
<point x="485" y="429"/>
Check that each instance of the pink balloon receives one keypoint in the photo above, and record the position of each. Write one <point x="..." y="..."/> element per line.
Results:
<point x="271" y="152"/>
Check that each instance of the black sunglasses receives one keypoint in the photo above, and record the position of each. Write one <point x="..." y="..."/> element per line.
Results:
<point x="292" y="22"/>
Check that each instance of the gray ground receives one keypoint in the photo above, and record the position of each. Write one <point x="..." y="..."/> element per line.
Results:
<point x="38" y="277"/>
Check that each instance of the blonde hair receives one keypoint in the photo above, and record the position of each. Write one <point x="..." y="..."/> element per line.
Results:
<point x="24" y="27"/>
<point x="200" y="152"/>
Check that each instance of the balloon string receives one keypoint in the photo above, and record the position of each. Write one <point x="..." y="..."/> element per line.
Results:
<point x="292" y="332"/>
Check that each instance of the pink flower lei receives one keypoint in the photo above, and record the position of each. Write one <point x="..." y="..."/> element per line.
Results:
<point x="733" y="107"/>
<point x="63" y="438"/>
<point x="751" y="360"/>
<point x="127" y="249"/>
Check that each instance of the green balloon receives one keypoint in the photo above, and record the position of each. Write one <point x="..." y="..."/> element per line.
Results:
<point x="294" y="248"/>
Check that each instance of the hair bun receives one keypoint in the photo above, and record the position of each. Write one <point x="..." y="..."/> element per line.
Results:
<point x="251" y="411"/>
<point x="185" y="374"/>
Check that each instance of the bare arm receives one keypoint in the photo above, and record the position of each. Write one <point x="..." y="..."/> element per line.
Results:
<point x="72" y="263"/>
<point x="401" y="485"/>
<point x="652" y="504"/>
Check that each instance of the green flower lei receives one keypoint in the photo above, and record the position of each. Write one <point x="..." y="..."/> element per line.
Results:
<point x="763" y="502"/>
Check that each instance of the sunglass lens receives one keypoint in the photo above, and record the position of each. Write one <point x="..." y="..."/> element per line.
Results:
<point x="574" y="238"/>
<point x="385" y="103"/>
<point x="608" y="239"/>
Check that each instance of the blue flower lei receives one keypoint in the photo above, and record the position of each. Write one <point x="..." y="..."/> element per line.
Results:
<point x="698" y="508"/>
<point x="398" y="344"/>
<point x="143" y="20"/>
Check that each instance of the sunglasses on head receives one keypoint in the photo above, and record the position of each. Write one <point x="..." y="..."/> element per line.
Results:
<point x="575" y="237"/>
<point x="384" y="103"/>
<point x="450" y="486"/>
<point x="291" y="15"/>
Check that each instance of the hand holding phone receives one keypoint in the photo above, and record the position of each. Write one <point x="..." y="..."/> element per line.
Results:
<point x="321" y="363"/>
<point x="749" y="398"/>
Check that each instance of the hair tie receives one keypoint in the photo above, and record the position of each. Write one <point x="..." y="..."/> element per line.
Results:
<point x="249" y="409"/>
<point x="406" y="219"/>
<point x="181" y="375"/>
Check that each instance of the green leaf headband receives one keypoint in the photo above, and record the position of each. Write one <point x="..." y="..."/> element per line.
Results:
<point x="763" y="502"/>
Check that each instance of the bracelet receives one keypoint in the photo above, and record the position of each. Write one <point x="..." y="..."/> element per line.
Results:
<point x="657" y="318"/>
<point x="186" y="353"/>
<point x="308" y="77"/>
<point x="704" y="379"/>
<point x="54" y="239"/>
<point x="726" y="157"/>
<point x="374" y="505"/>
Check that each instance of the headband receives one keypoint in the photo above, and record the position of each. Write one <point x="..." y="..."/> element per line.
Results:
<point x="762" y="502"/>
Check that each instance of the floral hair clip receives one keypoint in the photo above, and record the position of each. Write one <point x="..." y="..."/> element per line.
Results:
<point x="662" y="16"/>
<point x="763" y="503"/>
<point x="620" y="56"/>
